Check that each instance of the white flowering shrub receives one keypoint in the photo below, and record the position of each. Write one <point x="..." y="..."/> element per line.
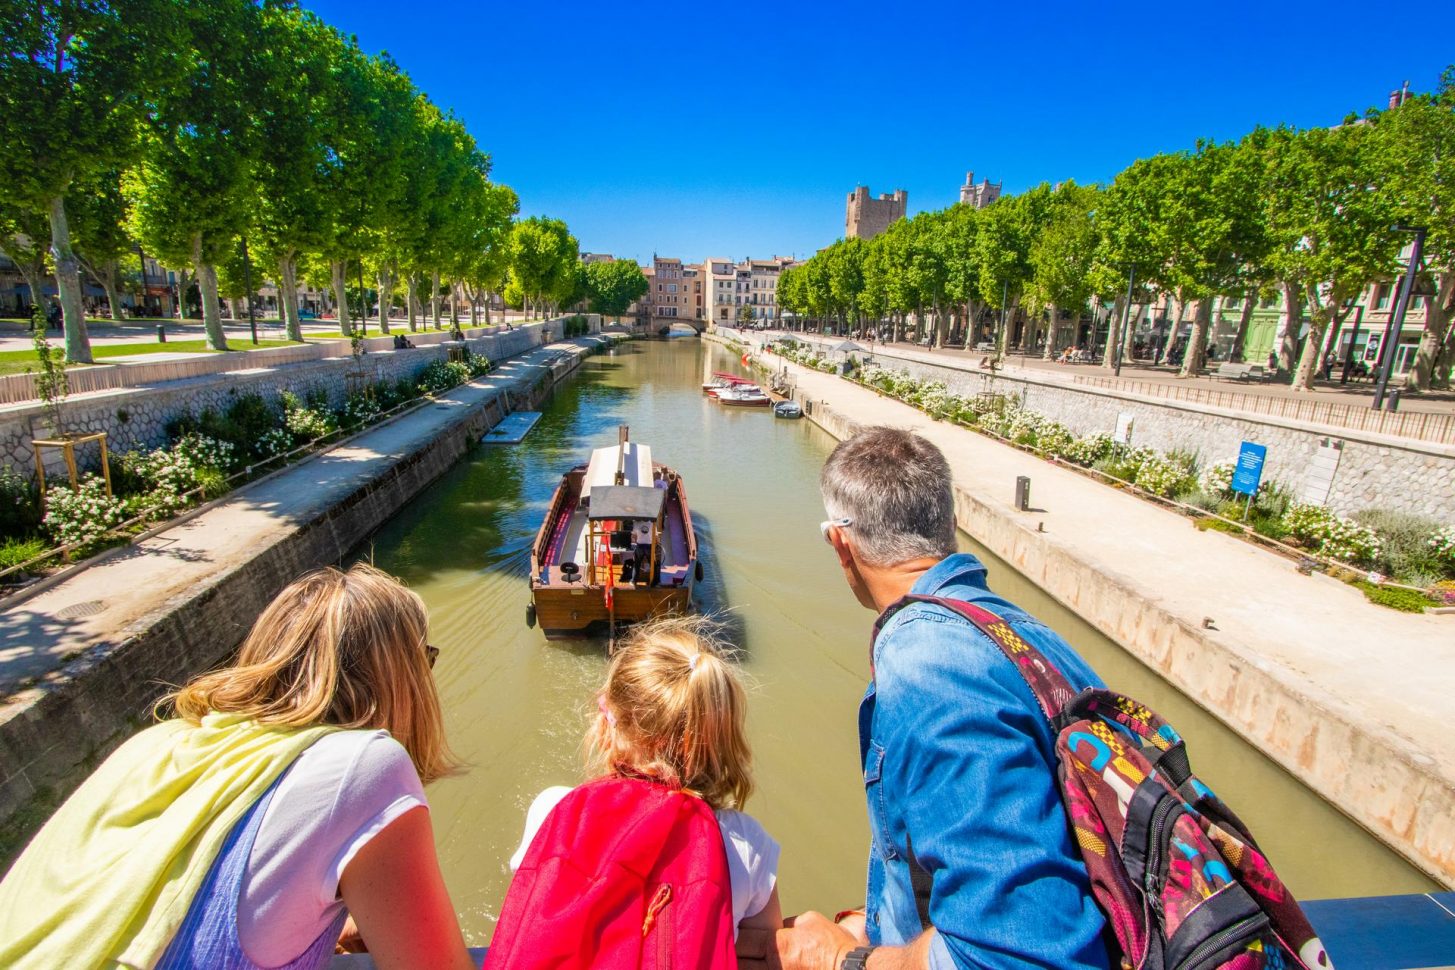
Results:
<point x="1023" y="426"/>
<point x="1164" y="475"/>
<point x="305" y="424"/>
<point x="1331" y="534"/>
<point x="358" y="409"/>
<point x="1217" y="478"/>
<point x="1090" y="449"/>
<point x="274" y="442"/>
<point x="1055" y="439"/>
<point x="82" y="516"/>
<point x="204" y="452"/>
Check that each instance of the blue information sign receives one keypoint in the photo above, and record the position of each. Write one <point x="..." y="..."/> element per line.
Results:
<point x="1250" y="468"/>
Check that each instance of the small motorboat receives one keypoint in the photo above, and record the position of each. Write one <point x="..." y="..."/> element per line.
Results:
<point x="787" y="409"/>
<point x="617" y="546"/>
<point x="750" y="396"/>
<point x="722" y="381"/>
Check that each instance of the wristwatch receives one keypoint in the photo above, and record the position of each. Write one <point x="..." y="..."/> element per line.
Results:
<point x="857" y="958"/>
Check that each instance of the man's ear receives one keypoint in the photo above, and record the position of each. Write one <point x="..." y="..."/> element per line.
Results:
<point x="841" y="545"/>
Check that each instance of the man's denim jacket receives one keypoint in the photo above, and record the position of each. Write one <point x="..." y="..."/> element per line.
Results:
<point x="960" y="768"/>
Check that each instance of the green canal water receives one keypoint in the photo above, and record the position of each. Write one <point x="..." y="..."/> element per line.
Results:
<point x="516" y="705"/>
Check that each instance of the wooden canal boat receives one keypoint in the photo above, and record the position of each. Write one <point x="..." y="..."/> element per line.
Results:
<point x="616" y="546"/>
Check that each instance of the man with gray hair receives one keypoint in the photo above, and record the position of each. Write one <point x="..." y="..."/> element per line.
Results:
<point x="972" y="862"/>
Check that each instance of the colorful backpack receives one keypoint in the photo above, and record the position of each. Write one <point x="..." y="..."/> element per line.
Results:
<point x="1181" y="882"/>
<point x="624" y="873"/>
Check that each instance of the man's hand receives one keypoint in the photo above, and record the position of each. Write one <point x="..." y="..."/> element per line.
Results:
<point x="811" y="941"/>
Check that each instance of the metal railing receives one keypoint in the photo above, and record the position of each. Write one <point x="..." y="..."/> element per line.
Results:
<point x="1418" y="425"/>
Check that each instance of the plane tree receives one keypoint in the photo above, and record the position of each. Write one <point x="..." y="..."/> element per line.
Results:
<point x="76" y="78"/>
<point x="612" y="287"/>
<point x="193" y="190"/>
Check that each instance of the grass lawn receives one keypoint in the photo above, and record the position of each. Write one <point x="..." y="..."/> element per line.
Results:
<point x="19" y="361"/>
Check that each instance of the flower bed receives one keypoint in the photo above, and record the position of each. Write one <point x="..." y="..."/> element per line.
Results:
<point x="210" y="454"/>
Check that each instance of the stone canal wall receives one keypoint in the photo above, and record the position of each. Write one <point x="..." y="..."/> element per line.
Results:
<point x="1371" y="470"/>
<point x="137" y="418"/>
<point x="155" y="614"/>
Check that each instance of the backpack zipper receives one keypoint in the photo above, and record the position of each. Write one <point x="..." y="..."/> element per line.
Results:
<point x="655" y="907"/>
<point x="1243" y="930"/>
<point x="1152" y="878"/>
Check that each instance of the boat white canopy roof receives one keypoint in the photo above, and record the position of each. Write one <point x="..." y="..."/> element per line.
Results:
<point x="601" y="472"/>
<point x="626" y="502"/>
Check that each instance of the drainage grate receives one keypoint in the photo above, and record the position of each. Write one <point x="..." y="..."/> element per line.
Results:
<point x="78" y="610"/>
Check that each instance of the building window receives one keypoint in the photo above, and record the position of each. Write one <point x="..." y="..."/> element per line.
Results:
<point x="1382" y="303"/>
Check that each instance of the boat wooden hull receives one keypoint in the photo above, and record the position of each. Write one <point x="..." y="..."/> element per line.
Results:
<point x="570" y="606"/>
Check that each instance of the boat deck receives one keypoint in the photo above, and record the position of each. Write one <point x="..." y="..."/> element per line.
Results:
<point x="568" y="544"/>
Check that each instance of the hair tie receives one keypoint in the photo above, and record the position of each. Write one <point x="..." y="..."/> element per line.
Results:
<point x="692" y="664"/>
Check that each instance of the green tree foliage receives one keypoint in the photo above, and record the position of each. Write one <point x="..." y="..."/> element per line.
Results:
<point x="76" y="78"/>
<point x="193" y="190"/>
<point x="613" y="287"/>
<point x="543" y="256"/>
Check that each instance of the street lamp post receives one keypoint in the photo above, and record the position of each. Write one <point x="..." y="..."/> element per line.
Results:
<point x="1396" y="319"/>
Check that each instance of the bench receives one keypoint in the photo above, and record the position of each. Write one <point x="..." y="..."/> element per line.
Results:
<point x="1239" y="372"/>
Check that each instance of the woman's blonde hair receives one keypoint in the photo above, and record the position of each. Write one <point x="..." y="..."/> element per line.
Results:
<point x="674" y="710"/>
<point x="341" y="648"/>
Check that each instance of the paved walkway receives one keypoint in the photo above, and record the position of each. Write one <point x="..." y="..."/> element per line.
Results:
<point x="1354" y="394"/>
<point x="1391" y="673"/>
<point x="99" y="604"/>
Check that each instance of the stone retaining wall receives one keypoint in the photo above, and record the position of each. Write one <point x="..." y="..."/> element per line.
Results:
<point x="1374" y="471"/>
<point x="137" y="418"/>
<point x="53" y="734"/>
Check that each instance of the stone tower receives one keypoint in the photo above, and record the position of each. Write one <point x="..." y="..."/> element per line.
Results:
<point x="980" y="195"/>
<point x="867" y="217"/>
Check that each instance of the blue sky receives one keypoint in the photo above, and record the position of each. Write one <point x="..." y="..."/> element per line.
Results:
<point x="733" y="129"/>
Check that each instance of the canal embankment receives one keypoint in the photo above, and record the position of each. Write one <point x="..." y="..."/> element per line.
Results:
<point x="1347" y="468"/>
<point x="1347" y="696"/>
<point x="82" y="661"/>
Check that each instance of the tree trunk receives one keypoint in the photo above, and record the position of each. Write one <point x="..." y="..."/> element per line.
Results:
<point x="1196" y="353"/>
<point x="1320" y="317"/>
<point x="207" y="289"/>
<point x="1290" y="318"/>
<point x="386" y="295"/>
<point x="1422" y="376"/>
<point x="337" y="268"/>
<point x="434" y="301"/>
<point x="454" y="305"/>
<point x="1113" y="332"/>
<point x="184" y="283"/>
<point x="1236" y="352"/>
<point x="288" y="290"/>
<point x="68" y="283"/>
<point x="107" y="278"/>
<point x="411" y="300"/>
<point x="1051" y="327"/>
<point x="1174" y="324"/>
<point x="490" y="296"/>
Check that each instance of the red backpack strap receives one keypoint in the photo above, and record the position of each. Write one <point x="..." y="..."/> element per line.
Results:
<point x="1053" y="692"/>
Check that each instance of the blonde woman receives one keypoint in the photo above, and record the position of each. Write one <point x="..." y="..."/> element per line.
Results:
<point x="285" y="797"/>
<point x="674" y="711"/>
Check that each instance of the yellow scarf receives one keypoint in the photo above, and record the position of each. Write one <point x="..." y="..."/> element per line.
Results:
<point x="110" y="877"/>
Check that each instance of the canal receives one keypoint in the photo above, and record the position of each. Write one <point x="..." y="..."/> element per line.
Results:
<point x="516" y="706"/>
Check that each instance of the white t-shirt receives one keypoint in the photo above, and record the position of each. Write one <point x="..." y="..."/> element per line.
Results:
<point x="752" y="854"/>
<point x="341" y="792"/>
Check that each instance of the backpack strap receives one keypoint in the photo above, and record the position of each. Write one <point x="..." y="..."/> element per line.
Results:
<point x="1053" y="692"/>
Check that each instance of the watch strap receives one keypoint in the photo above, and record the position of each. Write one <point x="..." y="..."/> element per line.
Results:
<point x="857" y="958"/>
